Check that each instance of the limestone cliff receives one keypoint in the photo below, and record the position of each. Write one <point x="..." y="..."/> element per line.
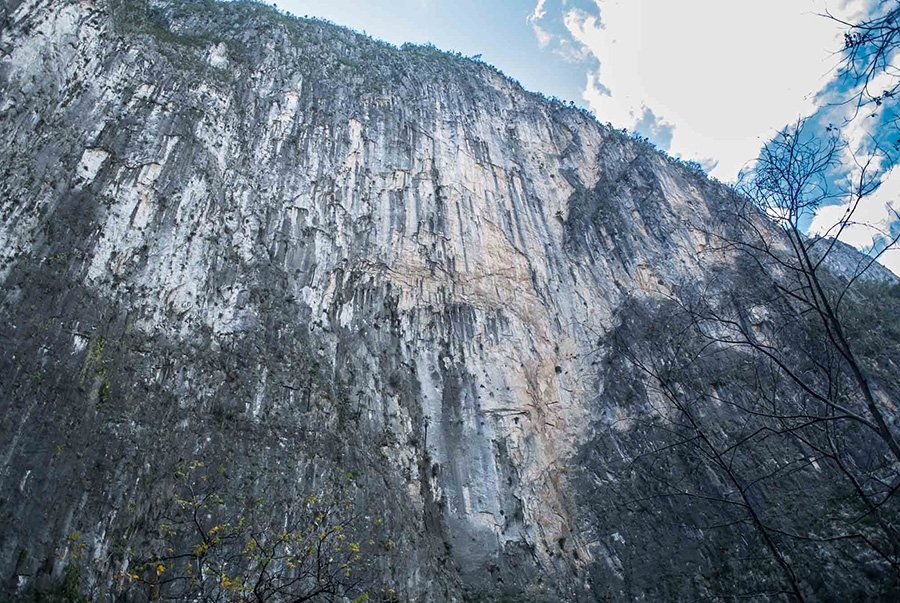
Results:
<point x="286" y="249"/>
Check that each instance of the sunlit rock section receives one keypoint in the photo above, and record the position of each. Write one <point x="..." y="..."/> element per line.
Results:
<point x="282" y="247"/>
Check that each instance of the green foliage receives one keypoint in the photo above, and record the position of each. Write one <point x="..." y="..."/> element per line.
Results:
<point x="138" y="16"/>
<point x="183" y="50"/>
<point x="67" y="589"/>
<point x="37" y="377"/>
<point x="213" y="544"/>
<point x="96" y="370"/>
<point x="103" y="393"/>
<point x="71" y="583"/>
<point x="96" y="352"/>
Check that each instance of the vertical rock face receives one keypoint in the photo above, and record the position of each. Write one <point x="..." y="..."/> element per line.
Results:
<point x="282" y="247"/>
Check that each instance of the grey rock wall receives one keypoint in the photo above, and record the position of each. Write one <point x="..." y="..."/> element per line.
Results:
<point x="279" y="246"/>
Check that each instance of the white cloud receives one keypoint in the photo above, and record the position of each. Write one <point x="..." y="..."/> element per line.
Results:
<point x="539" y="11"/>
<point x="543" y="36"/>
<point x="571" y="53"/>
<point x="870" y="224"/>
<point x="726" y="75"/>
<point x="891" y="260"/>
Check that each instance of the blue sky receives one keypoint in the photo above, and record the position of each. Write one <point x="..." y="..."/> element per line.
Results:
<point x="705" y="80"/>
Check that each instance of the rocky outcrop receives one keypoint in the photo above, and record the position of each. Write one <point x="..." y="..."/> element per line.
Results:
<point x="281" y="247"/>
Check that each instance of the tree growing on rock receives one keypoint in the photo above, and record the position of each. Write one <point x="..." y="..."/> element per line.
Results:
<point x="211" y="544"/>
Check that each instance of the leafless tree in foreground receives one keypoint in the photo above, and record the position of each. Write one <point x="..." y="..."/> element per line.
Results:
<point x="765" y="401"/>
<point x="869" y="60"/>
<point x="791" y="180"/>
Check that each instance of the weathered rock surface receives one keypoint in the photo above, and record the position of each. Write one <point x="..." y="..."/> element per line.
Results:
<point x="279" y="246"/>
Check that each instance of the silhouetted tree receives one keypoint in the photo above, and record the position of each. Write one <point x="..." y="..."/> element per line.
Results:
<point x="869" y="58"/>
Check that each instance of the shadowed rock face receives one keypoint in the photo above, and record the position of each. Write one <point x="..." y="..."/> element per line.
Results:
<point x="281" y="247"/>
